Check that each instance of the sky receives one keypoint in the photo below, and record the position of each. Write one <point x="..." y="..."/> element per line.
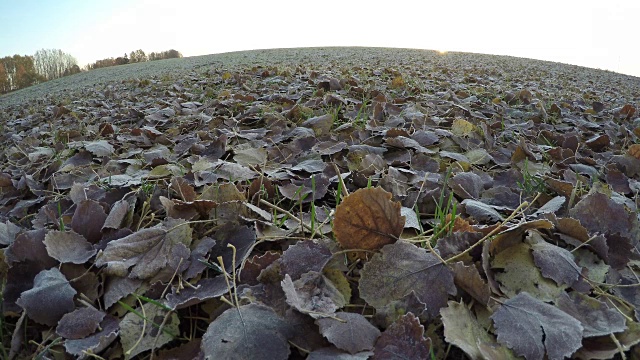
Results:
<point x="597" y="34"/>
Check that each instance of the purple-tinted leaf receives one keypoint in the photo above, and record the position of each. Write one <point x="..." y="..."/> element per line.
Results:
<point x="247" y="332"/>
<point x="68" y="247"/>
<point x="352" y="332"/>
<point x="313" y="294"/>
<point x="50" y="298"/>
<point x="304" y="256"/>
<point x="533" y="328"/>
<point x="80" y="323"/>
<point x="401" y="268"/>
<point x="404" y="339"/>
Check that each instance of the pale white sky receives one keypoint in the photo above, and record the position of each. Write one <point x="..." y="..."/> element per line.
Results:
<point x="590" y="33"/>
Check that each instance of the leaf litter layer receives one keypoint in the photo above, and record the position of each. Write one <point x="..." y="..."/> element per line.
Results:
<point x="325" y="203"/>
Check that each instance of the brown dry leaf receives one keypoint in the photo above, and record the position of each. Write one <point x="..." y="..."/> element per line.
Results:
<point x="634" y="150"/>
<point x="468" y="279"/>
<point x="525" y="96"/>
<point x="628" y="111"/>
<point x="367" y="219"/>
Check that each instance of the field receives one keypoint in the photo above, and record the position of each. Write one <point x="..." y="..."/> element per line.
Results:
<point x="322" y="203"/>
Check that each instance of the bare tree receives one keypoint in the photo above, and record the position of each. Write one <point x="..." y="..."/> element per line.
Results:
<point x="54" y="63"/>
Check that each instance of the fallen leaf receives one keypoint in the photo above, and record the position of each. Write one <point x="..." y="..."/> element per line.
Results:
<point x="533" y="328"/>
<point x="247" y="332"/>
<point x="596" y="317"/>
<point x="80" y="323"/>
<point x="553" y="261"/>
<point x="349" y="331"/>
<point x="55" y="288"/>
<point x="368" y="220"/>
<point x="138" y="334"/>
<point x="68" y="247"/>
<point x="404" y="339"/>
<point x="146" y="251"/>
<point x="462" y="329"/>
<point x="401" y="268"/>
<point x="97" y="342"/>
<point x="305" y="256"/>
<point x="313" y="294"/>
<point x="520" y="274"/>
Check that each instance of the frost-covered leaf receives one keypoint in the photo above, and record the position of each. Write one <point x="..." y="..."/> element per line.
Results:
<point x="599" y="213"/>
<point x="481" y="211"/>
<point x="554" y="262"/>
<point x="313" y="294"/>
<point x="595" y="316"/>
<point x="466" y="185"/>
<point x="97" y="342"/>
<point x="550" y="206"/>
<point x="241" y="237"/>
<point x="304" y="256"/>
<point x="68" y="247"/>
<point x="100" y="148"/>
<point x="332" y="353"/>
<point x="88" y="220"/>
<point x="519" y="273"/>
<point x="50" y="298"/>
<point x="401" y="268"/>
<point x="248" y="332"/>
<point x="352" y="332"/>
<point x="117" y="215"/>
<point x="404" y="339"/>
<point x="205" y="289"/>
<point x="533" y="328"/>
<point x="8" y="232"/>
<point x="80" y="323"/>
<point x="250" y="156"/>
<point x="394" y="310"/>
<point x="146" y="251"/>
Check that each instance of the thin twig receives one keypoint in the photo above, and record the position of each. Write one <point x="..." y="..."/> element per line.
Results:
<point x="522" y="206"/>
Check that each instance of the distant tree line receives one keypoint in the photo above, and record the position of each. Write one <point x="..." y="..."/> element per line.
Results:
<point x="135" y="57"/>
<point x="17" y="71"/>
